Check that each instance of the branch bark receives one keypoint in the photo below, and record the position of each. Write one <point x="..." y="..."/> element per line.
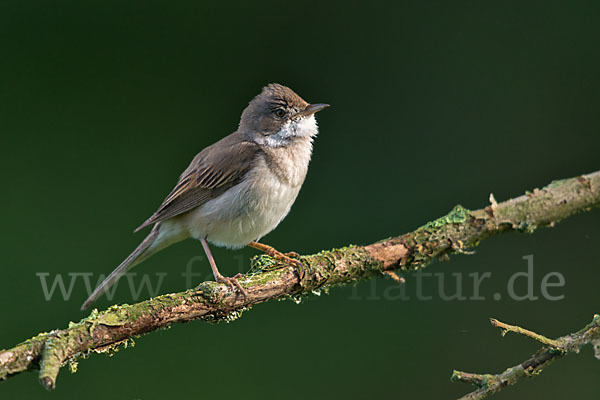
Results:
<point x="555" y="348"/>
<point x="455" y="232"/>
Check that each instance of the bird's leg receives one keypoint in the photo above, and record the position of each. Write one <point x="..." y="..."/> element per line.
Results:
<point x="218" y="277"/>
<point x="285" y="257"/>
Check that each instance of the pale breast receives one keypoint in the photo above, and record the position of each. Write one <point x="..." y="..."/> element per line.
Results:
<point x="253" y="208"/>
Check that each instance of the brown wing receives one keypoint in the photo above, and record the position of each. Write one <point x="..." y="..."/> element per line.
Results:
<point x="214" y="170"/>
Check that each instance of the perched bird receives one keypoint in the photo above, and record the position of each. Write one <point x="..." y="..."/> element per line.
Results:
<point x="240" y="188"/>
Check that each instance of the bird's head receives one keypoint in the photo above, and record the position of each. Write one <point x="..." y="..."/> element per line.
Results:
<point x="278" y="116"/>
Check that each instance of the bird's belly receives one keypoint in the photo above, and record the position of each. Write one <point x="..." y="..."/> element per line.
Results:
<point x="243" y="213"/>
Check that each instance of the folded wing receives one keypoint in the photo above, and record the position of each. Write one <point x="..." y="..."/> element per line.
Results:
<point x="214" y="170"/>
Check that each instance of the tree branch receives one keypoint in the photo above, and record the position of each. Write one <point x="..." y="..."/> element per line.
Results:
<point x="456" y="232"/>
<point x="489" y="384"/>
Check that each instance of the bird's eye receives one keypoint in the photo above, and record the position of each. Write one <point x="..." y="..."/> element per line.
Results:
<point x="280" y="112"/>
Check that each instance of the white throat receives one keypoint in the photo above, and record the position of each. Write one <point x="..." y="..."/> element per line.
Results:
<point x="305" y="127"/>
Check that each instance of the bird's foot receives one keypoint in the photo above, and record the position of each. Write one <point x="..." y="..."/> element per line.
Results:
<point x="231" y="282"/>
<point x="297" y="264"/>
<point x="290" y="258"/>
<point x="286" y="258"/>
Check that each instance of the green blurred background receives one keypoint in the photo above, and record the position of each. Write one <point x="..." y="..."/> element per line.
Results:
<point x="104" y="103"/>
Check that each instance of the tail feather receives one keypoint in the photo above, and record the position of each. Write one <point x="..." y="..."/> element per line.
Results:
<point x="142" y="252"/>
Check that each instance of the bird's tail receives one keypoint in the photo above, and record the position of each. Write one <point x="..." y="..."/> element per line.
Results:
<point x="142" y="252"/>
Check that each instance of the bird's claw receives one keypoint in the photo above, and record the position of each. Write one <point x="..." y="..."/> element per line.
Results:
<point x="231" y="282"/>
<point x="297" y="264"/>
<point x="290" y="258"/>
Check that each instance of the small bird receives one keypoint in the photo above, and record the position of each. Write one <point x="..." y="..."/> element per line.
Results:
<point x="238" y="189"/>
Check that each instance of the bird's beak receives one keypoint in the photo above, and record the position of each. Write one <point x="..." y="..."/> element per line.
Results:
<point x="311" y="109"/>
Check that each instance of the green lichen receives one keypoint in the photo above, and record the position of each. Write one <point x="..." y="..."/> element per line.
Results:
<point x="458" y="215"/>
<point x="114" y="316"/>
<point x="232" y="316"/>
<point x="556" y="183"/>
<point x="209" y="291"/>
<point x="114" y="348"/>
<point x="324" y="272"/>
<point x="262" y="278"/>
<point x="296" y="298"/>
<point x="263" y="262"/>
<point x="526" y="227"/>
<point x="73" y="365"/>
<point x="435" y="239"/>
<point x="225" y="317"/>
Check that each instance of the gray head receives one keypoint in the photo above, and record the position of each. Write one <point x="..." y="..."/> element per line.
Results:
<point x="278" y="116"/>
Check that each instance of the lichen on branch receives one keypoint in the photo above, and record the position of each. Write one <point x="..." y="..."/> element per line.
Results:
<point x="269" y="279"/>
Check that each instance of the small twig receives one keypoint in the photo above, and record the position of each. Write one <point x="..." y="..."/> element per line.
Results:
<point x="535" y="336"/>
<point x="489" y="384"/>
<point x="468" y="377"/>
